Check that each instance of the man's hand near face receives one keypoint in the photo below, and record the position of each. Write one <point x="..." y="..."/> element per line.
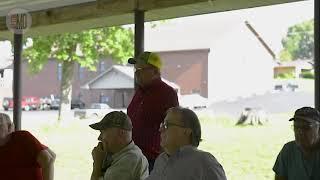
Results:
<point x="98" y="155"/>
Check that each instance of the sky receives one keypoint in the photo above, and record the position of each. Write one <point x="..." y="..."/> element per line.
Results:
<point x="271" y="22"/>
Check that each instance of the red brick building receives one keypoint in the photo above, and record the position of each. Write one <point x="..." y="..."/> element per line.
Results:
<point x="187" y="68"/>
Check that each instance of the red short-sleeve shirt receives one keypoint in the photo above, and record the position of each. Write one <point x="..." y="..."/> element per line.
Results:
<point x="147" y="110"/>
<point x="18" y="157"/>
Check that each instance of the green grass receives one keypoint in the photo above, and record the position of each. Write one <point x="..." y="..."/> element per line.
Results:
<point x="245" y="152"/>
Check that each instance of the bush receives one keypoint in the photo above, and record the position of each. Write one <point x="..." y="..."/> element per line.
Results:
<point x="307" y="75"/>
<point x="288" y="75"/>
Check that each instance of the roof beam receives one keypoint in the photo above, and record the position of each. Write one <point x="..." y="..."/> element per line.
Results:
<point x="102" y="13"/>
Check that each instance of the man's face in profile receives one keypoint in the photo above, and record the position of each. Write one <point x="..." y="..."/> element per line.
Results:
<point x="306" y="133"/>
<point x="144" y="74"/>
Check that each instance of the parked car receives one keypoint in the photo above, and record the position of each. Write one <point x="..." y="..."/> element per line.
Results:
<point x="193" y="101"/>
<point x="7" y="103"/>
<point x="45" y="103"/>
<point x="27" y="103"/>
<point x="99" y="106"/>
<point x="77" y="104"/>
<point x="55" y="104"/>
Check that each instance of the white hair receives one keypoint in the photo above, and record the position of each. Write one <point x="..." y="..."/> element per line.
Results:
<point x="5" y="117"/>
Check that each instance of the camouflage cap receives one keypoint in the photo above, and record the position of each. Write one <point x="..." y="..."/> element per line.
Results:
<point x="117" y="119"/>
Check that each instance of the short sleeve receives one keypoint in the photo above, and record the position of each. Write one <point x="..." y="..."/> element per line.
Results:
<point x="281" y="165"/>
<point x="173" y="99"/>
<point x="213" y="169"/>
<point x="32" y="145"/>
<point x="130" y="167"/>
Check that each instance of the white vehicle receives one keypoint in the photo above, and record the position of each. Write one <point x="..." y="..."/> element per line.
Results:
<point x="96" y="110"/>
<point x="193" y="101"/>
<point x="99" y="106"/>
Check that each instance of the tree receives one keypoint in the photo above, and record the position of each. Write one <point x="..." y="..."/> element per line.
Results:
<point x="299" y="42"/>
<point x="86" y="48"/>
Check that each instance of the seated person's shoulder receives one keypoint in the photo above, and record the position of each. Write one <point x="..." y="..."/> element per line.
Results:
<point x="22" y="133"/>
<point x="162" y="157"/>
<point x="135" y="164"/>
<point x="289" y="146"/>
<point x="133" y="156"/>
<point x="206" y="157"/>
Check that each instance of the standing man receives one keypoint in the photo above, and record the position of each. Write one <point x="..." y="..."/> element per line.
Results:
<point x="181" y="159"/>
<point x="22" y="156"/>
<point x="147" y="108"/>
<point x="300" y="159"/>
<point x="126" y="160"/>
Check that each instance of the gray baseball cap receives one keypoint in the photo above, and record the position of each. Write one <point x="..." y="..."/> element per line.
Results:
<point x="117" y="119"/>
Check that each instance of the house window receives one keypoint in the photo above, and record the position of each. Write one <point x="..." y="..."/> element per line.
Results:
<point x="59" y="72"/>
<point x="102" y="67"/>
<point x="81" y="72"/>
<point x="103" y="98"/>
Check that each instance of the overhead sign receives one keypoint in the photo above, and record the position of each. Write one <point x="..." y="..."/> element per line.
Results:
<point x="18" y="20"/>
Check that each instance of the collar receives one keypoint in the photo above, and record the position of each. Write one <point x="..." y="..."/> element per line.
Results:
<point x="124" y="150"/>
<point x="182" y="150"/>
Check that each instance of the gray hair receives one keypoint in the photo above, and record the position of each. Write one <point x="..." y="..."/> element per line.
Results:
<point x="5" y="117"/>
<point x="190" y="120"/>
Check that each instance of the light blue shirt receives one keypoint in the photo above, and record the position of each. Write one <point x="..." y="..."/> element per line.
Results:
<point x="188" y="163"/>
<point x="291" y="164"/>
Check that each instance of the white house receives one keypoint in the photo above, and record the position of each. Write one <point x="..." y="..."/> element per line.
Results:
<point x="120" y="81"/>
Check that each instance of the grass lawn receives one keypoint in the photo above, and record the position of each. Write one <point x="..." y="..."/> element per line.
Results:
<point x="244" y="152"/>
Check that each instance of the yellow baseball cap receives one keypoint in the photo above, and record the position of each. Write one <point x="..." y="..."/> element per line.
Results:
<point x="147" y="58"/>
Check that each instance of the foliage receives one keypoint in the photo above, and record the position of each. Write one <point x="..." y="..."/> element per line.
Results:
<point x="85" y="47"/>
<point x="307" y="74"/>
<point x="288" y="75"/>
<point x="299" y="42"/>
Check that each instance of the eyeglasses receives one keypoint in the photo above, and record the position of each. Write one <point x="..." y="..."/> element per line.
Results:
<point x="166" y="125"/>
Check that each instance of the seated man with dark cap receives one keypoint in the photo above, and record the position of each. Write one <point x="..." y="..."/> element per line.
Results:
<point x="126" y="160"/>
<point x="300" y="159"/>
